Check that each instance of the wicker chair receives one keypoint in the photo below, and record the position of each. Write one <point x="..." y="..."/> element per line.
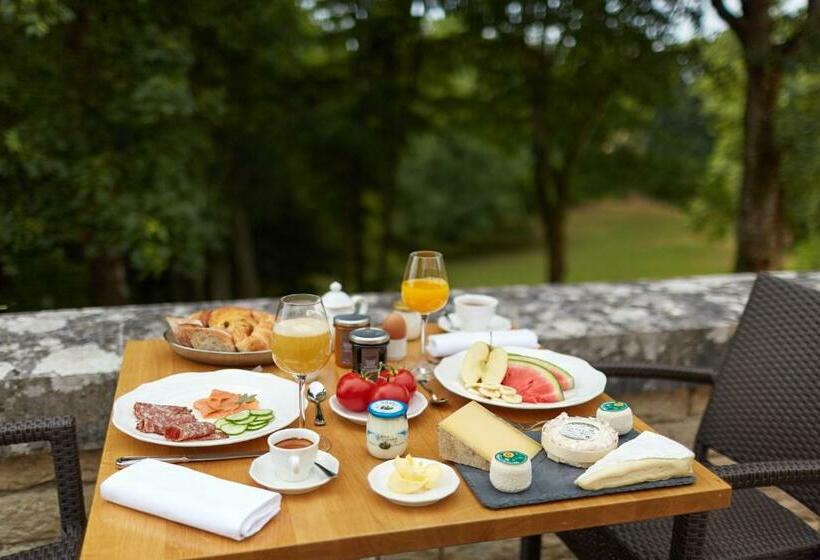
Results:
<point x="61" y="434"/>
<point x="765" y="415"/>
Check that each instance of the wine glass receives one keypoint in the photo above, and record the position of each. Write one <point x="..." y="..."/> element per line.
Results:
<point x="301" y="339"/>
<point x="424" y="289"/>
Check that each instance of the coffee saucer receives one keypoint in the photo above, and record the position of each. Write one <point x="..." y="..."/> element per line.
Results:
<point x="262" y="473"/>
<point x="449" y="323"/>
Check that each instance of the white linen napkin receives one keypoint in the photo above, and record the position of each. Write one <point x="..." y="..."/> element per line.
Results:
<point x="192" y="498"/>
<point x="440" y="345"/>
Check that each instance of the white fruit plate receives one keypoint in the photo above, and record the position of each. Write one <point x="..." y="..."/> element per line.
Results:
<point x="183" y="389"/>
<point x="447" y="484"/>
<point x="416" y="406"/>
<point x="589" y="382"/>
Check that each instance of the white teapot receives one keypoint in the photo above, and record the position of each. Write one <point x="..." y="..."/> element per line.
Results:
<point x="337" y="302"/>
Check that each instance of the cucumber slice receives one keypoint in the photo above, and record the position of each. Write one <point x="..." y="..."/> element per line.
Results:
<point x="256" y="426"/>
<point x="234" y="429"/>
<point x="219" y="423"/>
<point x="247" y="420"/>
<point x="237" y="416"/>
<point x="262" y="422"/>
<point x="261" y="412"/>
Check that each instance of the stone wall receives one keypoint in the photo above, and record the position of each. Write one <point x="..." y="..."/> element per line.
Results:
<point x="66" y="362"/>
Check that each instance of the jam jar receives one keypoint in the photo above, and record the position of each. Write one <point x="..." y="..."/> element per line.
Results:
<point x="387" y="429"/>
<point x="369" y="349"/>
<point x="343" y="325"/>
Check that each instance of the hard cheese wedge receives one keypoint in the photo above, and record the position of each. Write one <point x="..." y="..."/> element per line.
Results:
<point x="472" y="435"/>
<point x="646" y="458"/>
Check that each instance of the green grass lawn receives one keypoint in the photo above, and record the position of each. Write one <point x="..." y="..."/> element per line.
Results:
<point x="610" y="240"/>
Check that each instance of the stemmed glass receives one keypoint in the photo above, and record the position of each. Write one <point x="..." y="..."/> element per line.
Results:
<point x="301" y="339"/>
<point x="424" y="289"/>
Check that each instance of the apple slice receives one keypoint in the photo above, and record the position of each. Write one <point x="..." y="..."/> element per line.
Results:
<point x="474" y="360"/>
<point x="485" y="365"/>
<point x="496" y="366"/>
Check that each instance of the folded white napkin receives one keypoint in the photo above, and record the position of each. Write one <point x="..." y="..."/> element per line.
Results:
<point x="446" y="344"/>
<point x="192" y="498"/>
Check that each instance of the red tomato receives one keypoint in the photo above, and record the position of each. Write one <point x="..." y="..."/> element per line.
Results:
<point x="402" y="377"/>
<point x="406" y="379"/>
<point x="353" y="391"/>
<point x="390" y="391"/>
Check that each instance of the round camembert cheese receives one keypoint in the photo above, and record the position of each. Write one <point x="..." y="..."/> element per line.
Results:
<point x="617" y="414"/>
<point x="511" y="471"/>
<point x="577" y="441"/>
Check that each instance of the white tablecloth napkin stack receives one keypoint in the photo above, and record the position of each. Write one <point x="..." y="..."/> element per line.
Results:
<point x="440" y="345"/>
<point x="192" y="498"/>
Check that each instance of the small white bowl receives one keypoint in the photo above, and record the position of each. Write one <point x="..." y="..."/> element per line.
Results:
<point x="447" y="484"/>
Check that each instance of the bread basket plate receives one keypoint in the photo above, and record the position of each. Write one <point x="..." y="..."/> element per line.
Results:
<point x="216" y="358"/>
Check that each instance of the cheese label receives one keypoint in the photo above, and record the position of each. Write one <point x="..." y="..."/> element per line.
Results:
<point x="614" y="406"/>
<point x="580" y="431"/>
<point x="511" y="457"/>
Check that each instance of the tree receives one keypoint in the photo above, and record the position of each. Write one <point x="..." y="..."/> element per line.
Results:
<point x="761" y="227"/>
<point x="568" y="75"/>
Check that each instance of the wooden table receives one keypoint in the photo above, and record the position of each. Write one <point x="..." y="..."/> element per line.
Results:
<point x="345" y="519"/>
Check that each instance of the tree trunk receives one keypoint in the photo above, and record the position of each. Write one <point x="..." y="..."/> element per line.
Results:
<point x="108" y="280"/>
<point x="245" y="255"/>
<point x="550" y="195"/>
<point x="760" y="222"/>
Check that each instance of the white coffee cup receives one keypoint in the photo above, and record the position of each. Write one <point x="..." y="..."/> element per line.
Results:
<point x="475" y="311"/>
<point x="293" y="464"/>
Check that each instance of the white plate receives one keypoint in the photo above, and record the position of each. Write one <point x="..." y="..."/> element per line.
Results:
<point x="417" y="405"/>
<point x="262" y="473"/>
<point x="589" y="382"/>
<point x="183" y="389"/>
<point x="449" y="322"/>
<point x="447" y="484"/>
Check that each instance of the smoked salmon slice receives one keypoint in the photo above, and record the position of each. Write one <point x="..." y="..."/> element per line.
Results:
<point x="224" y="403"/>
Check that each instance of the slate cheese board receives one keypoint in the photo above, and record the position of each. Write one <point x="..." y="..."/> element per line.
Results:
<point x="551" y="482"/>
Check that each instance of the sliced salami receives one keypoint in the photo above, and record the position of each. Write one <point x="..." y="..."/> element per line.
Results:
<point x="145" y="410"/>
<point x="191" y="430"/>
<point x="156" y="424"/>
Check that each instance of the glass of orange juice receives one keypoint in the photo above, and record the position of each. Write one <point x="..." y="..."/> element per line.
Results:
<point x="301" y="339"/>
<point x="424" y="289"/>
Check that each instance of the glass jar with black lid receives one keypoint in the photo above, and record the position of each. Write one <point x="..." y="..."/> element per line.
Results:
<point x="369" y="347"/>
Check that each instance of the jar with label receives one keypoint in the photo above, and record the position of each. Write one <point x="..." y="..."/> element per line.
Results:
<point x="343" y="325"/>
<point x="387" y="429"/>
<point x="369" y="347"/>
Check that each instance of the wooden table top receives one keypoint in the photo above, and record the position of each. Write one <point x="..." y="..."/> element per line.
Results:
<point x="345" y="519"/>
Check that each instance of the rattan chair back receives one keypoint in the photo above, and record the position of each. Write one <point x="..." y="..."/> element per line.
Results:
<point x="766" y="400"/>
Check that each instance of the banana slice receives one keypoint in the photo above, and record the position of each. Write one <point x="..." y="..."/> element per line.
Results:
<point x="507" y="390"/>
<point x="490" y="386"/>
<point x="472" y="385"/>
<point x="474" y="391"/>
<point x="488" y="392"/>
<point x="513" y="399"/>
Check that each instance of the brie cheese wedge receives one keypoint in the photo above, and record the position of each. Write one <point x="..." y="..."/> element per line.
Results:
<point x="646" y="458"/>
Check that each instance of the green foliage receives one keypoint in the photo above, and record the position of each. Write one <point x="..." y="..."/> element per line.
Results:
<point x="719" y="86"/>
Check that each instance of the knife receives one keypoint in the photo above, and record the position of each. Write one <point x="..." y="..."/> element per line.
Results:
<point x="122" y="462"/>
<point x="126" y="461"/>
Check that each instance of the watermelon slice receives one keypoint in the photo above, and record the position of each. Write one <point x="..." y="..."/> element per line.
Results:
<point x="564" y="377"/>
<point x="534" y="384"/>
